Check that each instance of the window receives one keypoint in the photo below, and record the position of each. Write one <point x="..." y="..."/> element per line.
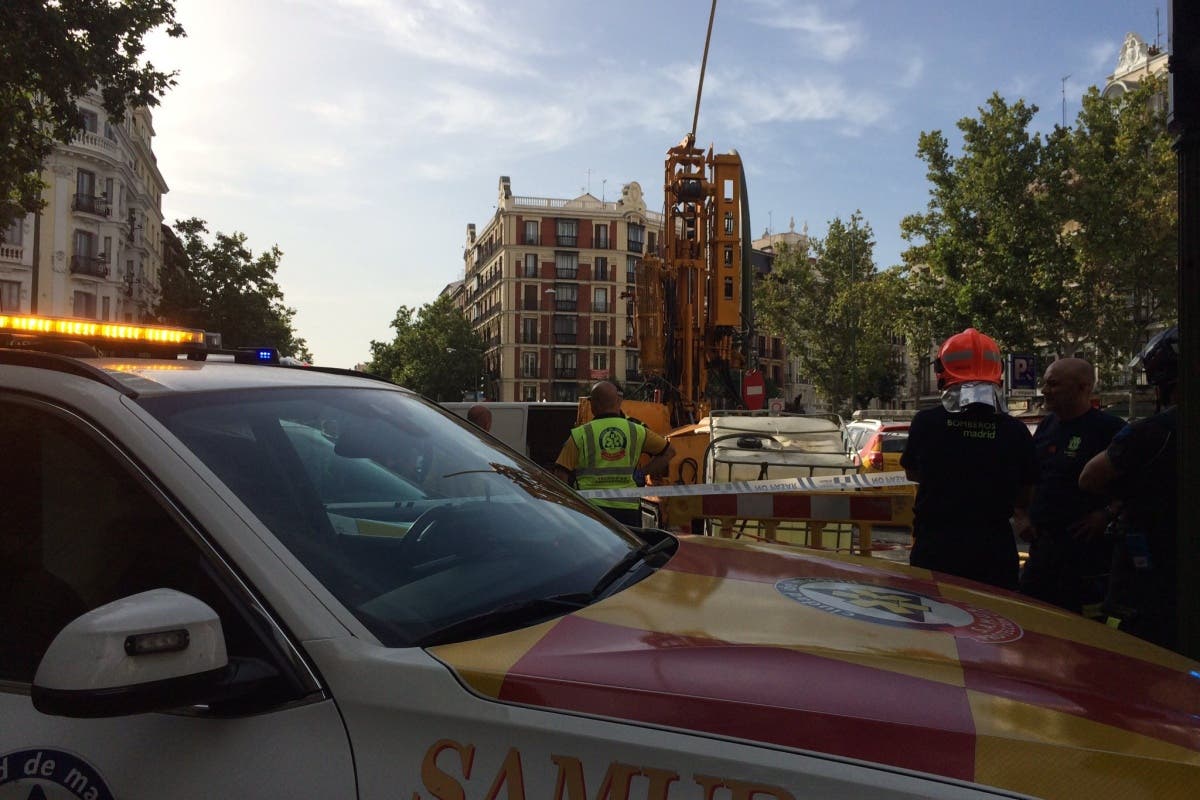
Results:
<point x="89" y="120"/>
<point x="600" y="299"/>
<point x="632" y="366"/>
<point x="85" y="192"/>
<point x="729" y="288"/>
<point x="85" y="244"/>
<point x="529" y="330"/>
<point x="631" y="265"/>
<point x="567" y="231"/>
<point x="109" y="132"/>
<point x="529" y="392"/>
<point x="566" y="330"/>
<point x="10" y="296"/>
<point x="529" y="365"/>
<point x="729" y="256"/>
<point x="637" y="234"/>
<point x="652" y="243"/>
<point x="105" y="308"/>
<point x="532" y="234"/>
<point x="566" y="266"/>
<point x="600" y="333"/>
<point x="600" y="272"/>
<point x="84" y="305"/>
<point x="108" y="189"/>
<point x="566" y="363"/>
<point x="728" y="223"/>
<point x="601" y="238"/>
<point x="600" y="362"/>
<point x="531" y="297"/>
<point x="107" y="253"/>
<point x="93" y="534"/>
<point x="531" y="265"/>
<point x="14" y="234"/>
<point x="566" y="297"/>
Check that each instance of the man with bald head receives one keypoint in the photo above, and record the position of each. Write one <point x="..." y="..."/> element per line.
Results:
<point x="602" y="453"/>
<point x="1068" y="556"/>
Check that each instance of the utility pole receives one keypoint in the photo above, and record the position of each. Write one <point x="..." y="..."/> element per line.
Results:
<point x="1064" y="100"/>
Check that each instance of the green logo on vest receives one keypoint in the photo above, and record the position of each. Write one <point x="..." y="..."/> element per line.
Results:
<point x="612" y="444"/>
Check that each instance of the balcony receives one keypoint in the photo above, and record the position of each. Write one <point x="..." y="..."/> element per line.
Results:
<point x="566" y="305"/>
<point x="492" y="341"/>
<point x="567" y="274"/>
<point x="601" y="307"/>
<point x="566" y="241"/>
<point x="601" y="272"/>
<point x="633" y="376"/>
<point x="528" y="337"/>
<point x="530" y="371"/>
<point x="635" y="246"/>
<point x="13" y="253"/>
<point x="566" y="372"/>
<point x="566" y="338"/>
<point x="91" y="205"/>
<point x="94" y="141"/>
<point x="601" y="242"/>
<point x="93" y="266"/>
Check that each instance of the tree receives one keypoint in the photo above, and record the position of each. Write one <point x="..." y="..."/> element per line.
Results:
<point x="223" y="287"/>
<point x="1059" y="245"/>
<point x="435" y="352"/>
<point x="836" y="313"/>
<point x="1120" y="205"/>
<point x="987" y="251"/>
<point x="52" y="53"/>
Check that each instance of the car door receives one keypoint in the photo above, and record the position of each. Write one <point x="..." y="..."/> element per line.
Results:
<point x="81" y="525"/>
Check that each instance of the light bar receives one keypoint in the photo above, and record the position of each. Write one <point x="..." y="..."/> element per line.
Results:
<point x="111" y="332"/>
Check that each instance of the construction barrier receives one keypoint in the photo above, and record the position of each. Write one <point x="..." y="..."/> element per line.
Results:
<point x="836" y="512"/>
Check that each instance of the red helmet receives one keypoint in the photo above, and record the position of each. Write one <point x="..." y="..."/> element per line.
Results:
<point x="968" y="356"/>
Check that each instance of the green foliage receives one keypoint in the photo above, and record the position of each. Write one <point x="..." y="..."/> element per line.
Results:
<point x="836" y="313"/>
<point x="435" y="352"/>
<point x="1062" y="244"/>
<point x="223" y="287"/>
<point x="52" y="53"/>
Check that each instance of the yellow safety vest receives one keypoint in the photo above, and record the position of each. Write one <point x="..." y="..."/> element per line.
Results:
<point x="608" y="449"/>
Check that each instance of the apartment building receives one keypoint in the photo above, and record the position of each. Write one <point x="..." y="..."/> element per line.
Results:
<point x="96" y="249"/>
<point x="548" y="284"/>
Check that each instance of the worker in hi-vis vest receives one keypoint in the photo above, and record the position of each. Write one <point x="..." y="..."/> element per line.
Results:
<point x="603" y="453"/>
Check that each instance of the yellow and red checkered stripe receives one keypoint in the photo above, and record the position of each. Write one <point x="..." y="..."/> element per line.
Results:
<point x="1068" y="708"/>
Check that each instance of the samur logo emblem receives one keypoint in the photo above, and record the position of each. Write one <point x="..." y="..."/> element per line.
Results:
<point x="612" y="444"/>
<point x="902" y="608"/>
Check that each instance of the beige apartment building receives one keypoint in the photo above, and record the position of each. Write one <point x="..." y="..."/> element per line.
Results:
<point x="96" y="249"/>
<point x="548" y="285"/>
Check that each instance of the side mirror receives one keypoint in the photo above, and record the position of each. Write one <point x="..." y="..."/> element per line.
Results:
<point x="152" y="651"/>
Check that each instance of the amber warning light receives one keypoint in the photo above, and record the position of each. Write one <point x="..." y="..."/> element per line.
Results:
<point x="106" y="331"/>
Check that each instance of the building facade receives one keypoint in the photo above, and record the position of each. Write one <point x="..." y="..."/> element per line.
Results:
<point x="95" y="250"/>
<point x="548" y="285"/>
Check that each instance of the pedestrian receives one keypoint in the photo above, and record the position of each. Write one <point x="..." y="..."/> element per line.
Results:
<point x="603" y="454"/>
<point x="1137" y="473"/>
<point x="480" y="416"/>
<point x="1069" y="558"/>
<point x="974" y="466"/>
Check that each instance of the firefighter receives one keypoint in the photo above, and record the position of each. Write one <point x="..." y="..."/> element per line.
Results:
<point x="603" y="453"/>
<point x="1137" y="472"/>
<point x="974" y="466"/>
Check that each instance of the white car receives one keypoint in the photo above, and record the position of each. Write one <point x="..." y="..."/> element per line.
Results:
<point x="225" y="580"/>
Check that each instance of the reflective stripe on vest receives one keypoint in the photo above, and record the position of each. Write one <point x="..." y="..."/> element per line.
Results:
<point x="608" y="449"/>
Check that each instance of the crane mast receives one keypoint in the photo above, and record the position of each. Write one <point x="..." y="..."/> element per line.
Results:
<point x="692" y="298"/>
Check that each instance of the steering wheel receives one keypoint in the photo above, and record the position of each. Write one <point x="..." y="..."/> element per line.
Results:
<point x="420" y="532"/>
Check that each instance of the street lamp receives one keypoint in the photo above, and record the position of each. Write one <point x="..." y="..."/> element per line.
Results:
<point x="552" y="294"/>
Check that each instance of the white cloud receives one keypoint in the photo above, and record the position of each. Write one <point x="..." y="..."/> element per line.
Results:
<point x="831" y="40"/>
<point x="455" y="32"/>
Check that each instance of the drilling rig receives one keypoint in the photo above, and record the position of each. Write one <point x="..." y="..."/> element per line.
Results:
<point x="694" y="321"/>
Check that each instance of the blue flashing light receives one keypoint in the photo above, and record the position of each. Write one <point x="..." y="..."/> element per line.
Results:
<point x="1195" y="674"/>
<point x="266" y="356"/>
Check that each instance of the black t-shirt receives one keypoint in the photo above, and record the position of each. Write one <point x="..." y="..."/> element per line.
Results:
<point x="1063" y="447"/>
<point x="1143" y="452"/>
<point x="970" y="465"/>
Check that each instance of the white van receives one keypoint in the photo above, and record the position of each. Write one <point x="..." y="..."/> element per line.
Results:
<point x="536" y="430"/>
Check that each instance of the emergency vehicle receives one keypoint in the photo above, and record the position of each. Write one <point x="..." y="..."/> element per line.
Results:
<point x="242" y="580"/>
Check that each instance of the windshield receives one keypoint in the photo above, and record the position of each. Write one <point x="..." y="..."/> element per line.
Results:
<point x="405" y="514"/>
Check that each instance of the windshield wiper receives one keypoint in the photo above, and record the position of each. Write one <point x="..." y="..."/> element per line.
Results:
<point x="628" y="562"/>
<point x="509" y="614"/>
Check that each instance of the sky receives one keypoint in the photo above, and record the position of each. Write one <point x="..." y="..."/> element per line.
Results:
<point x="363" y="136"/>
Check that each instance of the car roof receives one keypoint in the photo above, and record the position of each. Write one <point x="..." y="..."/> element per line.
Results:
<point x="149" y="377"/>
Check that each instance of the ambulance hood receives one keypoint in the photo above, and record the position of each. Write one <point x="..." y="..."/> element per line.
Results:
<point x="866" y="660"/>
